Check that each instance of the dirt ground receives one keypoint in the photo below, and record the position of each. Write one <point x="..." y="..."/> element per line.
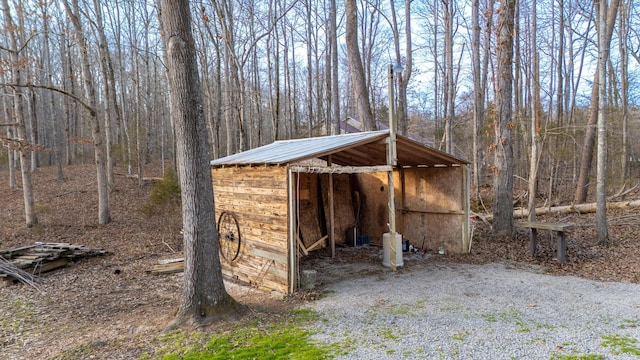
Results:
<point x="109" y="307"/>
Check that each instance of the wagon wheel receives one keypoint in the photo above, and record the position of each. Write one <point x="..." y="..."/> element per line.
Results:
<point x="229" y="235"/>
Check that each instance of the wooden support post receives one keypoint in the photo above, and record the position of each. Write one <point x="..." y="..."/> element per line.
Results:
<point x="332" y="238"/>
<point x="562" y="246"/>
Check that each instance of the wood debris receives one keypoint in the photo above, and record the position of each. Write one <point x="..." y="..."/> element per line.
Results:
<point x="25" y="262"/>
<point x="170" y="266"/>
<point x="8" y="270"/>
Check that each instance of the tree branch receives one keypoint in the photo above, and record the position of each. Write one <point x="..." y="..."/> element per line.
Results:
<point x="91" y="110"/>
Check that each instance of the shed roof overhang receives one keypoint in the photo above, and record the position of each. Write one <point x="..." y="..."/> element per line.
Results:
<point x="357" y="149"/>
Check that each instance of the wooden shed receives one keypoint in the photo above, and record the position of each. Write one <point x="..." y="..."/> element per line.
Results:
<point x="280" y="201"/>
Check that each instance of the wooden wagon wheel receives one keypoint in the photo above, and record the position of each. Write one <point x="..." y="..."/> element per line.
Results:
<point x="229" y="235"/>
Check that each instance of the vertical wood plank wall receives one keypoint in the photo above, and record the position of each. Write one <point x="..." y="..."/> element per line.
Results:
<point x="431" y="206"/>
<point x="258" y="197"/>
<point x="435" y="208"/>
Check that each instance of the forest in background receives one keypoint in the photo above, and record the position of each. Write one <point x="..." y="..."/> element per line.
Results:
<point x="85" y="80"/>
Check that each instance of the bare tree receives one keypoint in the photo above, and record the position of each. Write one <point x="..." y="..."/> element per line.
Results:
<point x="405" y="76"/>
<point x="11" y="152"/>
<point x="109" y="88"/>
<point x="359" y="82"/>
<point x="450" y="86"/>
<point x="536" y="112"/>
<point x="47" y="61"/>
<point x="204" y="297"/>
<point x="503" y="147"/>
<point x="73" y="12"/>
<point x="335" y="87"/>
<point x="586" y="158"/>
<point x="478" y="94"/>
<point x="18" y="102"/>
<point x="601" y="182"/>
<point x="623" y="48"/>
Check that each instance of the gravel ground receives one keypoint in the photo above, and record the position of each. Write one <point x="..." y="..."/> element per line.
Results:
<point x="437" y="310"/>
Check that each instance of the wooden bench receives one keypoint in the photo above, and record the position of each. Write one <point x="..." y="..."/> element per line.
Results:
<point x="558" y="228"/>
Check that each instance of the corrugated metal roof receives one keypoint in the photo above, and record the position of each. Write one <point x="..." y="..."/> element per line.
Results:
<point x="356" y="149"/>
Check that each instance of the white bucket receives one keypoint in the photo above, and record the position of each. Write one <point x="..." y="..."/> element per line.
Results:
<point x="386" y="250"/>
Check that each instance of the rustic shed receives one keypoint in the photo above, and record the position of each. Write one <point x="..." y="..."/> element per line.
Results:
<point x="278" y="202"/>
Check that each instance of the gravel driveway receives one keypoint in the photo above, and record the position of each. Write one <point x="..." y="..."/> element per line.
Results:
<point x="436" y="310"/>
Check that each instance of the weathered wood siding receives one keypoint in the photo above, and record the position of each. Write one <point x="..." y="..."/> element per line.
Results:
<point x="258" y="196"/>
<point x="434" y="208"/>
<point x="309" y="198"/>
<point x="375" y="205"/>
<point x="430" y="207"/>
<point x="344" y="216"/>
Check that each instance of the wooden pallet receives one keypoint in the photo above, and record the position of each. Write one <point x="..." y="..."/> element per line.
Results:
<point x="42" y="257"/>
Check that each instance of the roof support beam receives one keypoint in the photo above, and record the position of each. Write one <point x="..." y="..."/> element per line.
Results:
<point x="339" y="170"/>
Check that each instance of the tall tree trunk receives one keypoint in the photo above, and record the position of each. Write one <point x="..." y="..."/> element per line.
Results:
<point x="67" y="85"/>
<point x="309" y="43"/>
<point x="436" y="78"/>
<point x="403" y="78"/>
<point x="335" y="85"/>
<point x="503" y="184"/>
<point x="623" y="31"/>
<point x="104" y="216"/>
<point x="18" y="104"/>
<point x="536" y="114"/>
<point x="11" y="152"/>
<point x="359" y="83"/>
<point x="51" y="102"/>
<point x="204" y="297"/>
<point x="601" y="173"/>
<point x="403" y="106"/>
<point x="450" y="88"/>
<point x="108" y="88"/>
<point x="478" y="96"/>
<point x="32" y="121"/>
<point x="518" y="127"/>
<point x="582" y="187"/>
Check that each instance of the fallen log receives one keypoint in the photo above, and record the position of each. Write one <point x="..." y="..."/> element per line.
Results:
<point x="144" y="178"/>
<point x="566" y="209"/>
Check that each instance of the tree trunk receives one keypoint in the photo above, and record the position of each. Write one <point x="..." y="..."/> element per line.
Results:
<point x="104" y="216"/>
<point x="623" y="31"/>
<point x="536" y="113"/>
<point x="450" y="88"/>
<point x="358" y="80"/>
<point x="309" y="50"/>
<point x="18" y="104"/>
<point x="108" y="88"/>
<point x="582" y="187"/>
<point x="601" y="184"/>
<point x="335" y="86"/>
<point x="10" y="151"/>
<point x="503" y="184"/>
<point x="53" y="114"/>
<point x="403" y="78"/>
<point x="403" y="106"/>
<point x="32" y="120"/>
<point x="478" y="96"/>
<point x="204" y="297"/>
